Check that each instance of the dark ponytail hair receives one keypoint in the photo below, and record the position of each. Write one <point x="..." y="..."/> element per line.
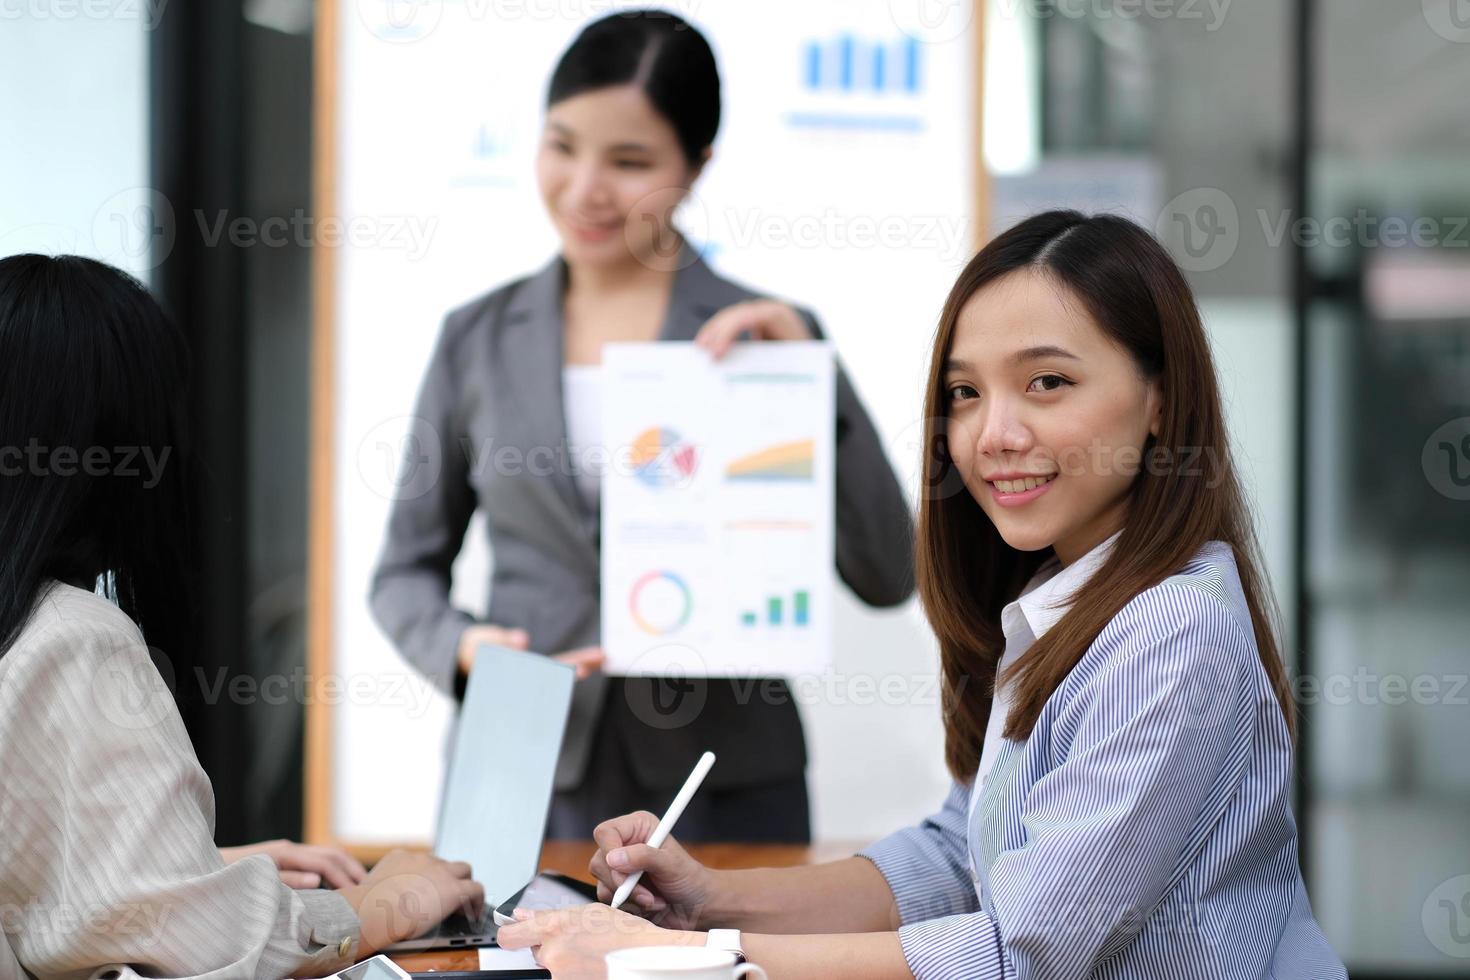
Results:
<point x="95" y="475"/>
<point x="660" y="53"/>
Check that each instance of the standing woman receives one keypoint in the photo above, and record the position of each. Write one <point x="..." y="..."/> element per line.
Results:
<point x="631" y="116"/>
<point x="1118" y="721"/>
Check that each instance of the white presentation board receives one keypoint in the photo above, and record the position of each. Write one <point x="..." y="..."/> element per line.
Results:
<point x="841" y="181"/>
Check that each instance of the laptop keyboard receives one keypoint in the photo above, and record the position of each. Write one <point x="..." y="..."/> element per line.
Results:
<point x="460" y="924"/>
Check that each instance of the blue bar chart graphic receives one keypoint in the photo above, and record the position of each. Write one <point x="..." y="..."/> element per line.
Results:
<point x="848" y="63"/>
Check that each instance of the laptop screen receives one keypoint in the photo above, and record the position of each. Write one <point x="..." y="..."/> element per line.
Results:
<point x="497" y="791"/>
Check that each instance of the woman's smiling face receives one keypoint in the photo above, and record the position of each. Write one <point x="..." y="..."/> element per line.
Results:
<point x="1047" y="416"/>
<point x="611" y="172"/>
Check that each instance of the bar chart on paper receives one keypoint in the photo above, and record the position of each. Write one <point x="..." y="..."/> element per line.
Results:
<point x="717" y="550"/>
<point x="775" y="611"/>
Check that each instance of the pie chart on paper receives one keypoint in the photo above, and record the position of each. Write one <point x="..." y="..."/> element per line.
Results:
<point x="662" y="458"/>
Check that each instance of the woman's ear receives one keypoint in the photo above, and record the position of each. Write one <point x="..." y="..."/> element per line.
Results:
<point x="1154" y="402"/>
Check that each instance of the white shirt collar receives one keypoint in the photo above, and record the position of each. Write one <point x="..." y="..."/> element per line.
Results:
<point x="1049" y="594"/>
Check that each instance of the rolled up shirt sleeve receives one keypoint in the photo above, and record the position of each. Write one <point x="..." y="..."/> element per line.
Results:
<point x="1110" y="830"/>
<point x="927" y="866"/>
<point x="943" y="930"/>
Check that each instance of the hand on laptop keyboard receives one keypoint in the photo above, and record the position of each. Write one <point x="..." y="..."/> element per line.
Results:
<point x="408" y="893"/>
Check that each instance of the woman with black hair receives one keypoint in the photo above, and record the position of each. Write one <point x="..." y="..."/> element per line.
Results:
<point x="631" y="116"/>
<point x="106" y="818"/>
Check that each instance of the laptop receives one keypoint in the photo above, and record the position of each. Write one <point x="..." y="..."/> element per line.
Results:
<point x="497" y="792"/>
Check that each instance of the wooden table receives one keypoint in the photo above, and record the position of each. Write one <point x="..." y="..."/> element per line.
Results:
<point x="571" y="857"/>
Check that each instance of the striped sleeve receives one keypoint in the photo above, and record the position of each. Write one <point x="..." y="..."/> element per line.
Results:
<point x="108" y="847"/>
<point x="927" y="867"/>
<point x="943" y="930"/>
<point x="1113" y="827"/>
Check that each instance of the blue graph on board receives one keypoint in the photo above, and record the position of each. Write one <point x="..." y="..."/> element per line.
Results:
<point x="488" y="159"/>
<point x="850" y="64"/>
<point x="490" y="142"/>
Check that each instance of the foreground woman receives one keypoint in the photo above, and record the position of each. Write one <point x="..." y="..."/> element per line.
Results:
<point x="1118" y="723"/>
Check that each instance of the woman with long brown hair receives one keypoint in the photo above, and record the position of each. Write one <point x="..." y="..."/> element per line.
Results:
<point x="1118" y="718"/>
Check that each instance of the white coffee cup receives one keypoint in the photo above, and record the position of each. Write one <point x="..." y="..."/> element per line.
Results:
<point x="683" y="962"/>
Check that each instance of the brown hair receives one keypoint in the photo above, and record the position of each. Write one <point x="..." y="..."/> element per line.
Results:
<point x="967" y="573"/>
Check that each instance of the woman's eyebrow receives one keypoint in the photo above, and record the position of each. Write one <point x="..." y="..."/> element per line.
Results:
<point x="1037" y="353"/>
<point x="1019" y="357"/>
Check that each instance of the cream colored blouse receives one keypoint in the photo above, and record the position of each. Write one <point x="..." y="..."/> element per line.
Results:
<point x="108" y="866"/>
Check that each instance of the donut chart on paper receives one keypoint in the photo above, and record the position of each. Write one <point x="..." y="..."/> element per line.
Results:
<point x="660" y="602"/>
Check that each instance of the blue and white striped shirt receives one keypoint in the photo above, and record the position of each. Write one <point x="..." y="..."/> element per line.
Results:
<point x="1143" y="830"/>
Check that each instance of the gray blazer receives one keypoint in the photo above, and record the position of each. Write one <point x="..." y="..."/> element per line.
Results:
<point x="489" y="431"/>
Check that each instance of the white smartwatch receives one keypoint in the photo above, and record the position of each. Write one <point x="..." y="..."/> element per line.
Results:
<point x="726" y="939"/>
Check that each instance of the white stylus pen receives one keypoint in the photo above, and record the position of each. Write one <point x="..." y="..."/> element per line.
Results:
<point x="666" y="825"/>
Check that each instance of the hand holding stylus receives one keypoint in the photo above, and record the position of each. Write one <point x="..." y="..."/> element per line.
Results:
<point x="666" y="825"/>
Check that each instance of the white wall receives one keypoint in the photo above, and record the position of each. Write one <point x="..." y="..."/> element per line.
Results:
<point x="74" y="114"/>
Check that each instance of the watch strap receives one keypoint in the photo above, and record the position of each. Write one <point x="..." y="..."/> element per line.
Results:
<point x="727" y="939"/>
